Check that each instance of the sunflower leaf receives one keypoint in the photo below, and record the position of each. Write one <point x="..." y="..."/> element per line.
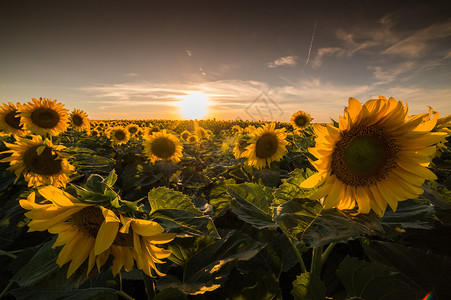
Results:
<point x="309" y="288"/>
<point x="176" y="211"/>
<point x="251" y="203"/>
<point x="307" y="221"/>
<point x="372" y="280"/>
<point x="289" y="189"/>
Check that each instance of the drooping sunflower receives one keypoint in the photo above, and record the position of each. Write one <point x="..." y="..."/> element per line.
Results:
<point x="377" y="156"/>
<point x="240" y="146"/>
<point x="193" y="139"/>
<point x="119" y="135"/>
<point x="40" y="162"/>
<point x="300" y="120"/>
<point x="44" y="116"/>
<point x="90" y="232"/>
<point x="9" y="120"/>
<point x="185" y="134"/>
<point x="163" y="146"/>
<point x="266" y="145"/>
<point x="132" y="129"/>
<point x="79" y="120"/>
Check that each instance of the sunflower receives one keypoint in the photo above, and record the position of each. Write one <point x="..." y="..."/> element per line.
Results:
<point x="44" y="116"/>
<point x="163" y="146"/>
<point x="193" y="139"/>
<point x="377" y="156"/>
<point x="185" y="134"/>
<point x="9" y="120"/>
<point x="90" y="232"/>
<point x="240" y="146"/>
<point x="132" y="129"/>
<point x="79" y="120"/>
<point x="300" y="120"/>
<point x="119" y="135"/>
<point x="201" y="132"/>
<point x="266" y="145"/>
<point x="39" y="161"/>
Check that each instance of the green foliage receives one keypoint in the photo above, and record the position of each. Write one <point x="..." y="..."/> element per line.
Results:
<point x="308" y="287"/>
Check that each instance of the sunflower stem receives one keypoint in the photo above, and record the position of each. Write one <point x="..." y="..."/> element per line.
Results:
<point x="326" y="253"/>
<point x="150" y="286"/>
<point x="296" y="250"/>
<point x="315" y="268"/>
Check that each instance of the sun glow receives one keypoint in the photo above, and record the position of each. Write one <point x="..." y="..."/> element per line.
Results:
<point x="193" y="106"/>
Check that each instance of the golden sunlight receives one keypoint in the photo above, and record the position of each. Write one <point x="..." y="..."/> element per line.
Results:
<point x="193" y="106"/>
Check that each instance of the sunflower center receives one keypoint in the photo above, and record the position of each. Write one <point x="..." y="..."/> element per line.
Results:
<point x="78" y="121"/>
<point x="163" y="147"/>
<point x="300" y="121"/>
<point x="12" y="120"/>
<point x="45" y="117"/>
<point x="119" y="135"/>
<point x="45" y="163"/>
<point x="133" y="130"/>
<point x="89" y="220"/>
<point x="266" y="145"/>
<point x="364" y="156"/>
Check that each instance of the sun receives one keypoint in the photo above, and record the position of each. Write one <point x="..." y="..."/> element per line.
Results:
<point x="193" y="105"/>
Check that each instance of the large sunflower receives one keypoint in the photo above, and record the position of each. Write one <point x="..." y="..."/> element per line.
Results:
<point x="378" y="155"/>
<point x="163" y="146"/>
<point x="44" y="116"/>
<point x="90" y="232"/>
<point x="300" y="120"/>
<point x="119" y="135"/>
<point x="39" y="161"/>
<point x="9" y="120"/>
<point x="266" y="145"/>
<point x="79" y="120"/>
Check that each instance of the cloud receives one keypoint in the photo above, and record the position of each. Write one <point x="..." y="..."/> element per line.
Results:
<point x="131" y="75"/>
<point x="330" y="51"/>
<point x="387" y="75"/>
<point x="189" y="52"/>
<point x="283" y="61"/>
<point x="418" y="43"/>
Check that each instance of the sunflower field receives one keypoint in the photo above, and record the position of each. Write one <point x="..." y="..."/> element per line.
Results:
<point x="358" y="208"/>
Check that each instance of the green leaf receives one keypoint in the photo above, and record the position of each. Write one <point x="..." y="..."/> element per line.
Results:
<point x="426" y="270"/>
<point x="110" y="180"/>
<point x="372" y="280"/>
<point x="306" y="220"/>
<point x="95" y="184"/>
<point x="208" y="269"/>
<point x="176" y="211"/>
<point x="184" y="248"/>
<point x="170" y="294"/>
<point x="440" y="197"/>
<point x="410" y="214"/>
<point x="39" y="267"/>
<point x="289" y="189"/>
<point x="219" y="197"/>
<point x="306" y="287"/>
<point x="252" y="203"/>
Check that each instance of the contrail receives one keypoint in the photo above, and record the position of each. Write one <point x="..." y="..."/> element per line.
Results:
<point x="311" y="44"/>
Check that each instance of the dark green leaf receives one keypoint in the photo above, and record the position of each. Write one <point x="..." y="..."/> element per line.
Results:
<point x="97" y="293"/>
<point x="306" y="287"/>
<point x="252" y="203"/>
<point x="289" y="189"/>
<point x="372" y="280"/>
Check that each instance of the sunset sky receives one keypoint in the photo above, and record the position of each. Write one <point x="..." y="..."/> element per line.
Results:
<point x="225" y="59"/>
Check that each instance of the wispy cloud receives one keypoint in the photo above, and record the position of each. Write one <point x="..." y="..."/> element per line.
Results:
<point x="328" y="51"/>
<point x="283" y="61"/>
<point x="418" y="43"/>
<point x="131" y="75"/>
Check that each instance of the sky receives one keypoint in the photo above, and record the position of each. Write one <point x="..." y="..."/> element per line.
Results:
<point x="229" y="60"/>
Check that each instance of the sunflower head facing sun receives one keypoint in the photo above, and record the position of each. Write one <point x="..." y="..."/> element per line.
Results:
<point x="133" y="129"/>
<point x="163" y="146"/>
<point x="300" y="120"/>
<point x="44" y="117"/>
<point x="266" y="145"/>
<point x="92" y="233"/>
<point x="377" y="156"/>
<point x="119" y="135"/>
<point x="40" y="162"/>
<point x="9" y="119"/>
<point x="79" y="120"/>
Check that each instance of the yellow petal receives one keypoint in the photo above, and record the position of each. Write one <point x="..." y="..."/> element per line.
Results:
<point x="128" y="259"/>
<point x="418" y="170"/>
<point x="335" y="195"/>
<point x="64" y="237"/>
<point x="162" y="238"/>
<point x="314" y="180"/>
<point x="57" y="196"/>
<point x="83" y="250"/>
<point x="363" y="200"/>
<point x="379" y="200"/>
<point x="102" y="258"/>
<point x="105" y="237"/>
<point x="354" y="109"/>
<point x="109" y="215"/>
<point x="68" y="250"/>
<point x="118" y="261"/>
<point x="146" y="227"/>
